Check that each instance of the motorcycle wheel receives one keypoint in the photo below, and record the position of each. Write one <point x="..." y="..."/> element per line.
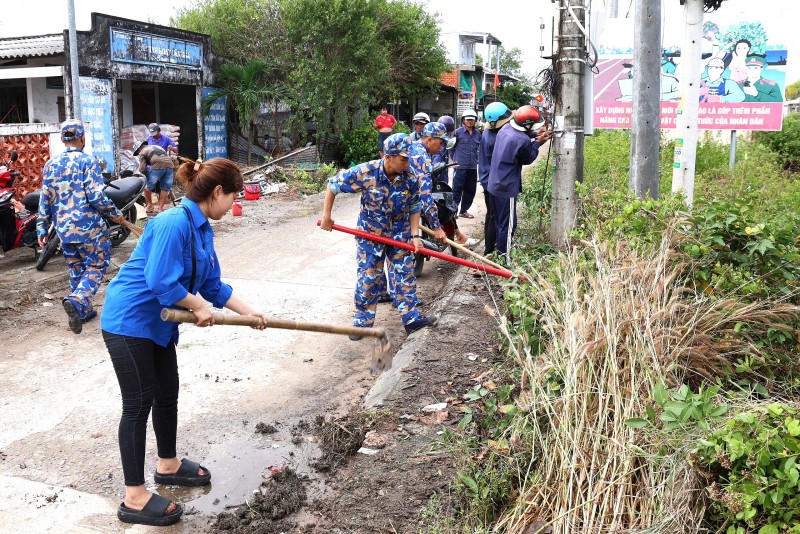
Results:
<point x="419" y="264"/>
<point x="119" y="235"/>
<point x="53" y="245"/>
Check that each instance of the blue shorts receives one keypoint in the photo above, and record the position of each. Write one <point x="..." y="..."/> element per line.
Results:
<point x="162" y="177"/>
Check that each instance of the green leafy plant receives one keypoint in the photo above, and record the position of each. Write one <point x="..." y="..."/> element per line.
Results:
<point x="739" y="252"/>
<point x="754" y="462"/>
<point x="361" y="144"/>
<point x="680" y="408"/>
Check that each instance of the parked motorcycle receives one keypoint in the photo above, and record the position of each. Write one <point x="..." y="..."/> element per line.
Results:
<point x="17" y="219"/>
<point x="124" y="193"/>
<point x="446" y="209"/>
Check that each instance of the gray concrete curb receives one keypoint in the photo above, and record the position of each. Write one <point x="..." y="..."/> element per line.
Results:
<point x="388" y="384"/>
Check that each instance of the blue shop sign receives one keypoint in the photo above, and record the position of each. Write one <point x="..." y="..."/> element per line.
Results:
<point x="215" y="127"/>
<point x="95" y="95"/>
<point x="147" y="49"/>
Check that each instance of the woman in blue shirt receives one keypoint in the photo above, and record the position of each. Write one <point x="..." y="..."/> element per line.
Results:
<point x="174" y="260"/>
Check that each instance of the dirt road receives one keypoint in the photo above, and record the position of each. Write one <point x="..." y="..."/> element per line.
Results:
<point x="60" y="404"/>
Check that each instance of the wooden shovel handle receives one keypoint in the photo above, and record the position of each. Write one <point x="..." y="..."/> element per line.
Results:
<point x="464" y="249"/>
<point x="184" y="316"/>
<point x="135" y="230"/>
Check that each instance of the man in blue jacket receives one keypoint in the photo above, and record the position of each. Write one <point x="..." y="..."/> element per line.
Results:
<point x="465" y="153"/>
<point x="517" y="144"/>
<point x="497" y="115"/>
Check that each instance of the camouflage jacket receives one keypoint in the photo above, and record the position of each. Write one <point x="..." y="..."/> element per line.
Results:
<point x="73" y="198"/>
<point x="421" y="164"/>
<point x="385" y="204"/>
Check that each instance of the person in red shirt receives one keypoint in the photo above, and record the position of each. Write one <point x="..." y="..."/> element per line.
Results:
<point x="384" y="123"/>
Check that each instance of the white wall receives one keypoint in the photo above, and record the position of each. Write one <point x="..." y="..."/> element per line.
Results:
<point x="43" y="101"/>
<point x="125" y="92"/>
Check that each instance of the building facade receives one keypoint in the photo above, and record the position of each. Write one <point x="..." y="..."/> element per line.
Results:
<point x="130" y="73"/>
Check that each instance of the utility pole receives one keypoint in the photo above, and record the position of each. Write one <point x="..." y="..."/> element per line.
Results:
<point x="75" y="93"/>
<point x="646" y="119"/>
<point x="568" y="149"/>
<point x="683" y="165"/>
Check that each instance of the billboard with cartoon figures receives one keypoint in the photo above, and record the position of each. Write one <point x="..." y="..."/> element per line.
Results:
<point x="741" y="84"/>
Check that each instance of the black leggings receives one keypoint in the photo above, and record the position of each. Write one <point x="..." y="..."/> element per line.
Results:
<point x="148" y="377"/>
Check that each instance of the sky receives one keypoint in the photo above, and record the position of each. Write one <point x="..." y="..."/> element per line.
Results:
<point x="514" y="22"/>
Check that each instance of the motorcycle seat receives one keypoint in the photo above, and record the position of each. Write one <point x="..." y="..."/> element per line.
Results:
<point x="31" y="200"/>
<point x="123" y="191"/>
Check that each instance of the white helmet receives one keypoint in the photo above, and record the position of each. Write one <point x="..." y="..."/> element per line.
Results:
<point x="421" y="117"/>
<point x="469" y="114"/>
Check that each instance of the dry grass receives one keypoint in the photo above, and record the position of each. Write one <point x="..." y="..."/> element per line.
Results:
<point x="613" y="330"/>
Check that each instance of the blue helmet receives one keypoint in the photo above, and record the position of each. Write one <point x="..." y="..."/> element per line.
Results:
<point x="496" y="111"/>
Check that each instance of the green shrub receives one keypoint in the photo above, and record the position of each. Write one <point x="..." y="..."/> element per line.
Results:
<point x="754" y="462"/>
<point x="739" y="251"/>
<point x="361" y="144"/>
<point x="785" y="143"/>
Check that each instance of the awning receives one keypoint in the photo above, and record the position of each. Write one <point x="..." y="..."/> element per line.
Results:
<point x="40" y="46"/>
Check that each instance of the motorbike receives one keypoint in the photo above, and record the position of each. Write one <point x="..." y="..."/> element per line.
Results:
<point x="17" y="219"/>
<point x="446" y="209"/>
<point x="125" y="193"/>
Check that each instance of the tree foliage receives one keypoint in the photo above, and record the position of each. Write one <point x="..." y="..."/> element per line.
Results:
<point x="416" y="58"/>
<point x="339" y="56"/>
<point x="247" y="88"/>
<point x="240" y="30"/>
<point x="793" y="90"/>
<point x="339" y="67"/>
<point x="515" y="95"/>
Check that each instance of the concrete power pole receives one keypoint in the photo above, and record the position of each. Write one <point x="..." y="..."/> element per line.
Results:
<point x="689" y="105"/>
<point x="75" y="93"/>
<point x="568" y="149"/>
<point x="646" y="119"/>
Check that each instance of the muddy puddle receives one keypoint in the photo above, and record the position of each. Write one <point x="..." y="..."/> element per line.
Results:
<point x="238" y="468"/>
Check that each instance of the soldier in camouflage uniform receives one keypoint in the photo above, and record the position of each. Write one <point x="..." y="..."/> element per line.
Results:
<point x="390" y="207"/>
<point x="432" y="138"/>
<point x="73" y="199"/>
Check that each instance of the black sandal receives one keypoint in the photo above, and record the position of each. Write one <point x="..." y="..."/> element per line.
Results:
<point x="154" y="512"/>
<point x="185" y="476"/>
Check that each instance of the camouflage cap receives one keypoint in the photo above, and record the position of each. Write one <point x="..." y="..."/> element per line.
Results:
<point x="755" y="60"/>
<point x="398" y="144"/>
<point x="435" y="129"/>
<point x="153" y="127"/>
<point x="71" y="130"/>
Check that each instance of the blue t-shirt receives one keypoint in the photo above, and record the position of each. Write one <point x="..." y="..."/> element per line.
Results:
<point x="158" y="275"/>
<point x="163" y="141"/>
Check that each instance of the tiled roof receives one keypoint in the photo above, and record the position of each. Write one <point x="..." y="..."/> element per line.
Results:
<point x="42" y="45"/>
<point x="449" y="78"/>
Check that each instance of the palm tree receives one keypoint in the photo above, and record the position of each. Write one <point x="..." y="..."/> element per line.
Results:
<point x="247" y="87"/>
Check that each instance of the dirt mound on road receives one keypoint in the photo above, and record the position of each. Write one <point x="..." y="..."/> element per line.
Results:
<point x="283" y="494"/>
<point x="339" y="439"/>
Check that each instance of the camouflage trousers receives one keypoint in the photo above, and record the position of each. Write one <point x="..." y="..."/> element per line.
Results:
<point x="87" y="263"/>
<point x="371" y="282"/>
